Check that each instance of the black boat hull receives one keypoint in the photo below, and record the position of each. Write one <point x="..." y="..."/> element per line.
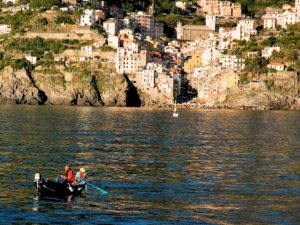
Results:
<point x="51" y="189"/>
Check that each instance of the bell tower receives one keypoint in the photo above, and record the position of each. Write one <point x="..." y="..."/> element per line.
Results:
<point x="297" y="7"/>
<point x="179" y="31"/>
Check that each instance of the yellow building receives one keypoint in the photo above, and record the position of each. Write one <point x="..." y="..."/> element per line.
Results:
<point x="194" y="61"/>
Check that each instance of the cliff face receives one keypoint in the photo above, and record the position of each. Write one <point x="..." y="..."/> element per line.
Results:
<point x="21" y="87"/>
<point x="105" y="88"/>
<point x="17" y="87"/>
<point x="253" y="97"/>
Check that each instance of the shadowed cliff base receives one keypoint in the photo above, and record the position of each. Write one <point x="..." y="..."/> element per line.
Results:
<point x="132" y="95"/>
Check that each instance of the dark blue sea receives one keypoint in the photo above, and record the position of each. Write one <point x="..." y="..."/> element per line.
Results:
<point x="204" y="167"/>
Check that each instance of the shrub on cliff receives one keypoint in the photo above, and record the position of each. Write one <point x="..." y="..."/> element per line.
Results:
<point x="64" y="19"/>
<point x="22" y="63"/>
<point x="18" y="20"/>
<point x="37" y="46"/>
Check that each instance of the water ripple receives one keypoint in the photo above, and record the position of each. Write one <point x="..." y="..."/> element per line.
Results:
<point x="205" y="167"/>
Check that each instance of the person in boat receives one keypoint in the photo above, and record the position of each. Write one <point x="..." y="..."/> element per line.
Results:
<point x="69" y="177"/>
<point x="81" y="174"/>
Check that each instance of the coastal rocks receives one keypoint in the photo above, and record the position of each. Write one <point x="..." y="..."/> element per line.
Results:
<point x="154" y="100"/>
<point x="60" y="92"/>
<point x="112" y="88"/>
<point x="256" y="99"/>
<point x="17" y="87"/>
<point x="36" y="88"/>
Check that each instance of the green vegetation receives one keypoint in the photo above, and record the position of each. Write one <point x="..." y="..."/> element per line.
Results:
<point x="36" y="46"/>
<point x="291" y="38"/>
<point x="43" y="21"/>
<point x="288" y="41"/>
<point x="99" y="29"/>
<point x="161" y="7"/>
<point x="3" y="64"/>
<point x="250" y="46"/>
<point x="18" y="21"/>
<point x="22" y="63"/>
<point x="106" y="48"/>
<point x="45" y="4"/>
<point x="256" y="65"/>
<point x="64" y="19"/>
<point x="42" y="48"/>
<point x="244" y="79"/>
<point x="270" y="84"/>
<point x="227" y="24"/>
<point x="269" y="42"/>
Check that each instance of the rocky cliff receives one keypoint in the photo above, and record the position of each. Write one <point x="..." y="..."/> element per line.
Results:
<point x="17" y="87"/>
<point x="36" y="88"/>
<point x="106" y="88"/>
<point x="254" y="96"/>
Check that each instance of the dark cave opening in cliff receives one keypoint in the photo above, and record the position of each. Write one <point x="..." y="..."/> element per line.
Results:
<point x="132" y="95"/>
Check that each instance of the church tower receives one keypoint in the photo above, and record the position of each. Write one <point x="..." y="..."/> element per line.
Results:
<point x="179" y="31"/>
<point x="297" y="7"/>
<point x="151" y="10"/>
<point x="210" y="21"/>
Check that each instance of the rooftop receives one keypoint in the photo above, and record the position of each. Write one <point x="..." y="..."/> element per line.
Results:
<point x="197" y="27"/>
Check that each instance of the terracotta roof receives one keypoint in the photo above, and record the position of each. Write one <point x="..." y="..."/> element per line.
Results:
<point x="276" y="63"/>
<point x="228" y="28"/>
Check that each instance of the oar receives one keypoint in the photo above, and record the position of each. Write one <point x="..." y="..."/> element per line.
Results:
<point x="93" y="185"/>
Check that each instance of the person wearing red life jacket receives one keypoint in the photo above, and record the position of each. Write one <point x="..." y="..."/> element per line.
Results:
<point x="69" y="177"/>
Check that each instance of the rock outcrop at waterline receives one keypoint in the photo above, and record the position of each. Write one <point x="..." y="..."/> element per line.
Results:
<point x="106" y="88"/>
<point x="18" y="88"/>
<point x="22" y="87"/>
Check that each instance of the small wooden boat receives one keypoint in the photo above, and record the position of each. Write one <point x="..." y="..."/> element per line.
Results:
<point x="51" y="189"/>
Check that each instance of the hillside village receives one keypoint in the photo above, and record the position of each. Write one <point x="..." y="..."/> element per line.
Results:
<point x="225" y="59"/>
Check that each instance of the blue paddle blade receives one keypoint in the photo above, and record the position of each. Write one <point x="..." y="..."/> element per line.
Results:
<point x="93" y="185"/>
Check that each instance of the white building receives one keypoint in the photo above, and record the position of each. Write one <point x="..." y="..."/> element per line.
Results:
<point x="209" y="55"/>
<point x="276" y="65"/>
<point x="286" y="18"/>
<point x="210" y="21"/>
<point x="148" y="78"/>
<point x="297" y="10"/>
<point x="5" y="29"/>
<point x="31" y="59"/>
<point x="113" y="41"/>
<point x="88" y="18"/>
<point x="181" y="5"/>
<point x="111" y="26"/>
<point x="283" y="18"/>
<point x="130" y="59"/>
<point x="268" y="51"/>
<point x="11" y="1"/>
<point x="223" y="45"/>
<point x="232" y="62"/>
<point x="245" y="29"/>
<point x="269" y="22"/>
<point x="149" y="74"/>
<point x="226" y="32"/>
